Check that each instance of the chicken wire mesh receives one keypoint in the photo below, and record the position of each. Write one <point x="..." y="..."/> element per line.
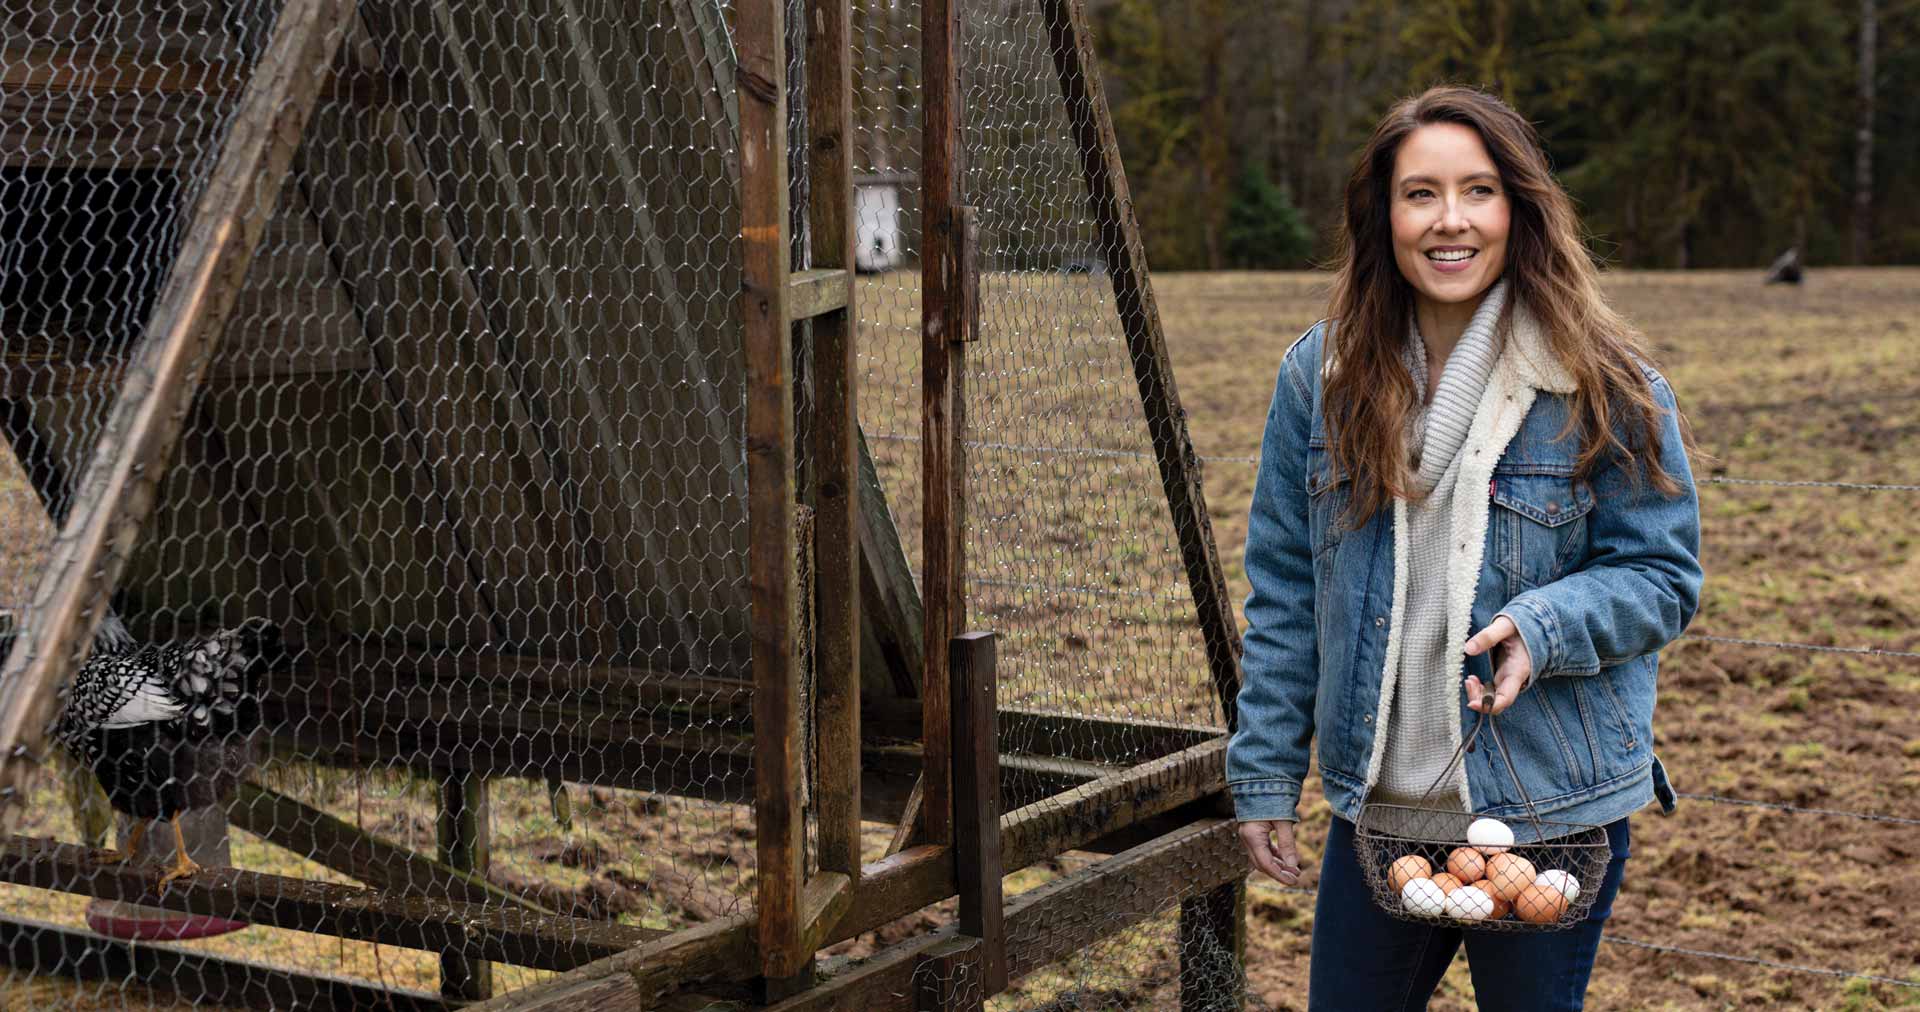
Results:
<point x="470" y="458"/>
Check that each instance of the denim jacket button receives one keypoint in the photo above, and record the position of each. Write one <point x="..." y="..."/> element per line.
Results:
<point x="1379" y="621"/>
<point x="1366" y="718"/>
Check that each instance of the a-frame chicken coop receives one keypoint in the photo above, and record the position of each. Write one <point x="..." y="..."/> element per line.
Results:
<point x="674" y="618"/>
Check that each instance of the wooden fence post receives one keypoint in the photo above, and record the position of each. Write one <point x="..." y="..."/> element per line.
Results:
<point x="976" y="803"/>
<point x="1213" y="949"/>
<point x="465" y="845"/>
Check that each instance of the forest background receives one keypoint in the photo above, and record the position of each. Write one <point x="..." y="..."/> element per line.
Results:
<point x="1692" y="133"/>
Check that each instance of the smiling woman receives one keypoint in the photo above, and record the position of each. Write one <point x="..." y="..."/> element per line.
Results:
<point x="1474" y="498"/>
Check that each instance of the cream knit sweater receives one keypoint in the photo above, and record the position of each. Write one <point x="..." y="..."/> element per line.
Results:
<point x="1421" y="720"/>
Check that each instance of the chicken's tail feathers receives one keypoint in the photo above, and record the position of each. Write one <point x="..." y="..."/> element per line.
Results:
<point x="220" y="677"/>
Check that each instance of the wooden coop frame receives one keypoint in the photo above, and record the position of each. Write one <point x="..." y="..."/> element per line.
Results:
<point x="891" y="668"/>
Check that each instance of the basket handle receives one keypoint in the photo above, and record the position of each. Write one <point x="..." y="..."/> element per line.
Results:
<point x="1459" y="754"/>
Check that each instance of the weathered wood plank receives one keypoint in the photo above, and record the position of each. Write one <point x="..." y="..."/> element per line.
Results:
<point x="120" y="484"/>
<point x="1052" y="921"/>
<point x="942" y="399"/>
<point x="101" y="71"/>
<point x="334" y="843"/>
<point x="1110" y="206"/>
<point x="502" y="934"/>
<point x="1213" y="949"/>
<point x="465" y="840"/>
<point x="1115" y="741"/>
<point x="889" y="601"/>
<point x="37" y="947"/>
<point x="976" y="804"/>
<point x="818" y="291"/>
<point x="949" y="976"/>
<point x="826" y="293"/>
<point x="902" y="883"/>
<point x="760" y="35"/>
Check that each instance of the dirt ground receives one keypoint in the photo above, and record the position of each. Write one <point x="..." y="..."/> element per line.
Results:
<point x="1817" y="383"/>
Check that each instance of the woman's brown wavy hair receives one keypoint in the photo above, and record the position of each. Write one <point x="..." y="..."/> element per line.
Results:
<point x="1368" y="394"/>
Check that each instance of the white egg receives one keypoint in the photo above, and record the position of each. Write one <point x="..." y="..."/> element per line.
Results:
<point x="1562" y="882"/>
<point x="1490" y="836"/>
<point x="1422" y="896"/>
<point x="1469" y="903"/>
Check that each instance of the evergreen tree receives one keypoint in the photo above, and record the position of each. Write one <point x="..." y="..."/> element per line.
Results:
<point x="1264" y="230"/>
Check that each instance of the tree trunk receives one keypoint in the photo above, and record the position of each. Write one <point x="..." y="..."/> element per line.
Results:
<point x="1863" y="143"/>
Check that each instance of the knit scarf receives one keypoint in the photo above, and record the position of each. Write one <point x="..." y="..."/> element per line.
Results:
<point x="1425" y="683"/>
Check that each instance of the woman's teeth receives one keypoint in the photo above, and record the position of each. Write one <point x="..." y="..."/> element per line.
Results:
<point x="1450" y="256"/>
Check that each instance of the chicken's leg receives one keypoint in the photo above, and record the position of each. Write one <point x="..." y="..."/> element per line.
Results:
<point x="183" y="865"/>
<point x="125" y="854"/>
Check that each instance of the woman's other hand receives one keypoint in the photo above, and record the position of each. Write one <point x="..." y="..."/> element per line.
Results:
<point x="1270" y="845"/>
<point x="1512" y="666"/>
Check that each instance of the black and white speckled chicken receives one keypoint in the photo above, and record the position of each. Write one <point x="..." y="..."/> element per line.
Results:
<point x="169" y="727"/>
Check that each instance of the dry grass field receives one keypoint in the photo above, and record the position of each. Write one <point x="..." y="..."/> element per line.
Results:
<point x="1819" y="383"/>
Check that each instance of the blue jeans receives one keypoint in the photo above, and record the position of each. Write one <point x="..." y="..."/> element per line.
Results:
<point x="1366" y="961"/>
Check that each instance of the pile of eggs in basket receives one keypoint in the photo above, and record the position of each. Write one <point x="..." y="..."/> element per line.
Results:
<point x="1483" y="881"/>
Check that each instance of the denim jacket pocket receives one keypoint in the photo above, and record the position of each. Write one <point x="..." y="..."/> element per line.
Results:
<point x="1538" y="527"/>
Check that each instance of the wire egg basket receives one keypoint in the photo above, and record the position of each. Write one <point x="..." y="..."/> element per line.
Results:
<point x="1420" y="866"/>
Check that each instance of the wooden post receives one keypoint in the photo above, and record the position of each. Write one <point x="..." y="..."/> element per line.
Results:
<point x="976" y="803"/>
<point x="943" y="373"/>
<point x="118" y="489"/>
<point x="465" y="846"/>
<point x="947" y="978"/>
<point x="1112" y="209"/>
<point x="1213" y="949"/>
<point x="836" y="529"/>
<point x="779" y="824"/>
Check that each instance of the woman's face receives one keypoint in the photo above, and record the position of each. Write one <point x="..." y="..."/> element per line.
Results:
<point x="1450" y="214"/>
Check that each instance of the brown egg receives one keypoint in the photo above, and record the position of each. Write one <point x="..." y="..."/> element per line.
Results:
<point x="1406" y="869"/>
<point x="1539" y="905"/>
<point x="1447" y="882"/>
<point x="1501" y="908"/>
<point x="1467" y="864"/>
<point x="1507" y="874"/>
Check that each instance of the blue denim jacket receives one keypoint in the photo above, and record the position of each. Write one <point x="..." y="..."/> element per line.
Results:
<point x="1596" y="579"/>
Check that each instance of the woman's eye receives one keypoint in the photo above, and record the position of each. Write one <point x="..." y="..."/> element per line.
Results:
<point x="1420" y="194"/>
<point x="1482" y="191"/>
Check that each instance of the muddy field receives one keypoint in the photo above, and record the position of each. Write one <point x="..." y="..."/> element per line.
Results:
<point x="1810" y="384"/>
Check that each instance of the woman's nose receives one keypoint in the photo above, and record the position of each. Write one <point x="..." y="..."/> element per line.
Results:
<point x="1453" y="218"/>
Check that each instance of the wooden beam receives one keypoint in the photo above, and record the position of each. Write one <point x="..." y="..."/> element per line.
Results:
<point x="101" y="71"/>
<point x="902" y="883"/>
<point x="1213" y="949"/>
<point x="889" y="601"/>
<point x="137" y="441"/>
<point x="976" y="804"/>
<point x="333" y="843"/>
<point x="779" y="825"/>
<point x="947" y="976"/>
<point x="36" y="947"/>
<point x="836" y="427"/>
<point x="1110" y="205"/>
<point x="502" y="934"/>
<point x="942" y="398"/>
<point x="633" y="979"/>
<point x="1052" y="921"/>
<point x="819" y="291"/>
<point x="1115" y="741"/>
<point x="464" y="837"/>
